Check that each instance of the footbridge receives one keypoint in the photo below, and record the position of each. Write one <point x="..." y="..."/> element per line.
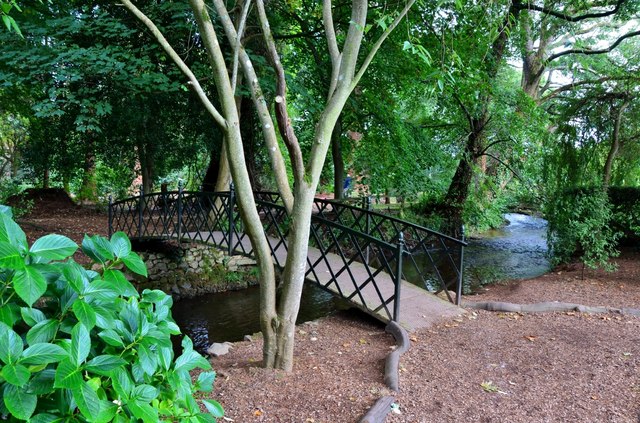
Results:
<point x="383" y="265"/>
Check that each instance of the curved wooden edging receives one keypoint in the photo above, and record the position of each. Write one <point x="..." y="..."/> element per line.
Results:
<point x="547" y="307"/>
<point x="391" y="376"/>
<point x="381" y="408"/>
<point x="379" y="411"/>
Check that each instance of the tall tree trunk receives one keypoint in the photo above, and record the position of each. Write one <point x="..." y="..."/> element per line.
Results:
<point x="615" y="145"/>
<point x="249" y="140"/>
<point x="89" y="186"/>
<point x="338" y="162"/>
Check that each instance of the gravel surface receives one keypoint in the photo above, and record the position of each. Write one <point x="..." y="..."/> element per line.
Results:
<point x="482" y="367"/>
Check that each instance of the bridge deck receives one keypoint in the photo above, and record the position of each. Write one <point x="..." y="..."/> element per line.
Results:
<point x="418" y="307"/>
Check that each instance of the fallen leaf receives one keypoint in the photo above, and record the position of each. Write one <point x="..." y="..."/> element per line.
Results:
<point x="593" y="397"/>
<point x="488" y="386"/>
<point x="363" y="341"/>
<point x="413" y="339"/>
<point x="530" y="337"/>
<point x="257" y="412"/>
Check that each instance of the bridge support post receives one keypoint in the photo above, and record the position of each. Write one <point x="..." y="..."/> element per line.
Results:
<point x="400" y="253"/>
<point x="460" y="269"/>
<point x="179" y="224"/>
<point x="140" y="211"/>
<point x="110" y="216"/>
<point x="232" y="200"/>
<point x="367" y="207"/>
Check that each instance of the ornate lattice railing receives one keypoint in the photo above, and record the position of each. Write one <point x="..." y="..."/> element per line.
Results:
<point x="357" y="253"/>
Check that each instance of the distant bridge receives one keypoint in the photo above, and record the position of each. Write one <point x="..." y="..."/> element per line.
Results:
<point x="358" y="254"/>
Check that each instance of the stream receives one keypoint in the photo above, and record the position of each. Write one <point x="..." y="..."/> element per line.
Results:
<point x="517" y="250"/>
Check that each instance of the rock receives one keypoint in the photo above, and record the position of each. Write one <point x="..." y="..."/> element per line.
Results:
<point x="248" y="338"/>
<point x="216" y="349"/>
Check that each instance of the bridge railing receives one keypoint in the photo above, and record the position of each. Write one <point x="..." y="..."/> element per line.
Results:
<point x="381" y="244"/>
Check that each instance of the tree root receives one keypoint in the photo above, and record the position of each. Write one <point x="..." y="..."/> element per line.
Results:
<point x="547" y="307"/>
<point x="391" y="376"/>
<point x="379" y="411"/>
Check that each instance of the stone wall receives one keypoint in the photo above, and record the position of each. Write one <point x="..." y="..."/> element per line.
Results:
<point x="189" y="270"/>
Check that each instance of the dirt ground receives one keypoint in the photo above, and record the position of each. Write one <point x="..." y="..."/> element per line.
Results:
<point x="483" y="367"/>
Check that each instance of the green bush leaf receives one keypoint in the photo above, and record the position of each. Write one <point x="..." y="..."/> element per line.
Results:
<point x="10" y="257"/>
<point x="143" y="411"/>
<point x="68" y="375"/>
<point x="19" y="402"/>
<point x="9" y="314"/>
<point x="148" y="360"/>
<point x="16" y="374"/>
<point x="42" y="382"/>
<point x="85" y="314"/>
<point x="104" y="364"/>
<point x="80" y="344"/>
<point x="90" y="249"/>
<point x="10" y="232"/>
<point x="43" y="353"/>
<point x="53" y="247"/>
<point x="112" y="338"/>
<point x="87" y="401"/>
<point x="10" y="345"/>
<point x="46" y="418"/>
<point x="101" y="290"/>
<point x="135" y="264"/>
<point x="108" y="411"/>
<point x="144" y="393"/>
<point x="32" y="316"/>
<point x="43" y="331"/>
<point x="214" y="408"/>
<point x="120" y="244"/>
<point x="74" y="275"/>
<point x="122" y="382"/>
<point x="205" y="381"/>
<point x="29" y="285"/>
<point x="103" y="246"/>
<point x="119" y="283"/>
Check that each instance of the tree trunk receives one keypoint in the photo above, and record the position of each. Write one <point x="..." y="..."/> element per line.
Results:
<point x="249" y="141"/>
<point x="89" y="186"/>
<point x="615" y="145"/>
<point x="338" y="162"/>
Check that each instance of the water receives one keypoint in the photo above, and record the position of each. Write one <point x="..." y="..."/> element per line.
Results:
<point x="518" y="250"/>
<point x="229" y="316"/>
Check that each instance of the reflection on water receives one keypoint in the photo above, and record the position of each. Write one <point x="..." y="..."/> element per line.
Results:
<point x="228" y="316"/>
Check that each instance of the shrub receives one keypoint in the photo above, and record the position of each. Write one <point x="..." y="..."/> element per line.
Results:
<point x="580" y="227"/>
<point x="82" y="345"/>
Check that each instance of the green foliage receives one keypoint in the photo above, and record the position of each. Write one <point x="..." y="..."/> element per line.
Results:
<point x="82" y="345"/>
<point x="580" y="227"/>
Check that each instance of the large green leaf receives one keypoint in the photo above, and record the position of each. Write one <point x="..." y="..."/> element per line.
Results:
<point x="103" y="246"/>
<point x="144" y="393"/>
<point x="120" y="244"/>
<point x="46" y="418"/>
<point x="80" y="344"/>
<point x="9" y="314"/>
<point x="53" y="247"/>
<point x="19" y="402"/>
<point x="74" y="275"/>
<point x="32" y="316"/>
<point x="148" y="359"/>
<point x="16" y="374"/>
<point x="205" y="381"/>
<point x="43" y="331"/>
<point x="12" y="233"/>
<point x="42" y="382"/>
<point x="119" y="283"/>
<point x="68" y="375"/>
<point x="122" y="382"/>
<point x="85" y="313"/>
<point x="214" y="408"/>
<point x="108" y="411"/>
<point x="87" y="401"/>
<point x="111" y="337"/>
<point x="10" y="256"/>
<point x="29" y="285"/>
<point x="43" y="353"/>
<point x="135" y="264"/>
<point x="101" y="290"/>
<point x="104" y="364"/>
<point x="143" y="411"/>
<point x="90" y="249"/>
<point x="10" y="345"/>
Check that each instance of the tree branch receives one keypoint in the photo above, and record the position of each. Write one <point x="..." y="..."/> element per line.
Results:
<point x="591" y="52"/>
<point x="268" y="129"/>
<point x="573" y="85"/>
<point x="282" y="115"/>
<point x="193" y="81"/>
<point x="332" y="44"/>
<point x="570" y="18"/>
<point x="236" y="49"/>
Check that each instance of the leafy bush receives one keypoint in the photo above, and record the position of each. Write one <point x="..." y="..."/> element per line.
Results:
<point x="580" y="227"/>
<point x="84" y="346"/>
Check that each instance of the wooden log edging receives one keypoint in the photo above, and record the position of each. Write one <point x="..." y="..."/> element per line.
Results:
<point x="391" y="375"/>
<point x="378" y="412"/>
<point x="547" y="307"/>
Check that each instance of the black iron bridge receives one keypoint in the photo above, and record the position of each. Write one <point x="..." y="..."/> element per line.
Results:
<point x="356" y="253"/>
